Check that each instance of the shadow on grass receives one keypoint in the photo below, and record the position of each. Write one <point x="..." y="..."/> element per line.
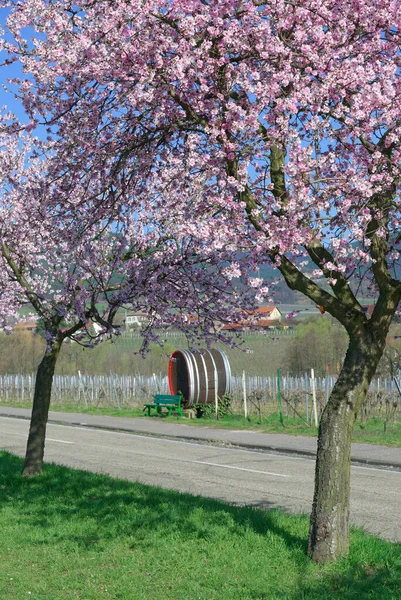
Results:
<point x="120" y="508"/>
<point x="82" y="495"/>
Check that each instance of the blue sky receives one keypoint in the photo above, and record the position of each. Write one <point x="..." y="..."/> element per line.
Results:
<point x="7" y="90"/>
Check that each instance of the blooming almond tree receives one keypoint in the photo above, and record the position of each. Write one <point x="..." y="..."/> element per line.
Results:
<point x="289" y="114"/>
<point x="73" y="268"/>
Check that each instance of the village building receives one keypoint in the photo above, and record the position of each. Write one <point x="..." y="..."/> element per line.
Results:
<point x="264" y="317"/>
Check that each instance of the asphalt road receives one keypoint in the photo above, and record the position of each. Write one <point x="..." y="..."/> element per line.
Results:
<point x="238" y="476"/>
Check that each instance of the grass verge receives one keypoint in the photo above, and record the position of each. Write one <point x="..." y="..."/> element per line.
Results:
<point x="76" y="535"/>
<point x="372" y="432"/>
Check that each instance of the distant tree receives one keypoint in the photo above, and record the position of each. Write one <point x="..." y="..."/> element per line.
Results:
<point x="319" y="343"/>
<point x="40" y="328"/>
<point x="20" y="352"/>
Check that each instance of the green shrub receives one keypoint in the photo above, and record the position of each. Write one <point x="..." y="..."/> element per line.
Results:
<point x="208" y="411"/>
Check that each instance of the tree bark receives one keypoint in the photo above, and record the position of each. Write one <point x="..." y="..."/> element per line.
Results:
<point x="40" y="410"/>
<point x="329" y="523"/>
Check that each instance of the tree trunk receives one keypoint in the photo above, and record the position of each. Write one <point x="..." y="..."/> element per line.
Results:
<point x="329" y="524"/>
<point x="40" y="410"/>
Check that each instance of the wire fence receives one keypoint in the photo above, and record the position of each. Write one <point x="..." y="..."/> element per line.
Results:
<point x="304" y="397"/>
<point x="91" y="390"/>
<point x="298" y="394"/>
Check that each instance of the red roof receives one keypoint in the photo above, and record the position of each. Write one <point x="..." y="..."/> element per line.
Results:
<point x="265" y="310"/>
<point x="265" y="322"/>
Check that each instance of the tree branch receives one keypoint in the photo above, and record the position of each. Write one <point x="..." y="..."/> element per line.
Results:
<point x="30" y="294"/>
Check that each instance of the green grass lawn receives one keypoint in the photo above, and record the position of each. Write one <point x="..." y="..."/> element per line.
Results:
<point x="72" y="535"/>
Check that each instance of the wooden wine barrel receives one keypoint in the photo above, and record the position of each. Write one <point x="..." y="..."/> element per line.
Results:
<point x="197" y="373"/>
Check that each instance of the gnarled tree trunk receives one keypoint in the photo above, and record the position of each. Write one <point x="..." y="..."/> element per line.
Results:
<point x="40" y="410"/>
<point x="329" y="524"/>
